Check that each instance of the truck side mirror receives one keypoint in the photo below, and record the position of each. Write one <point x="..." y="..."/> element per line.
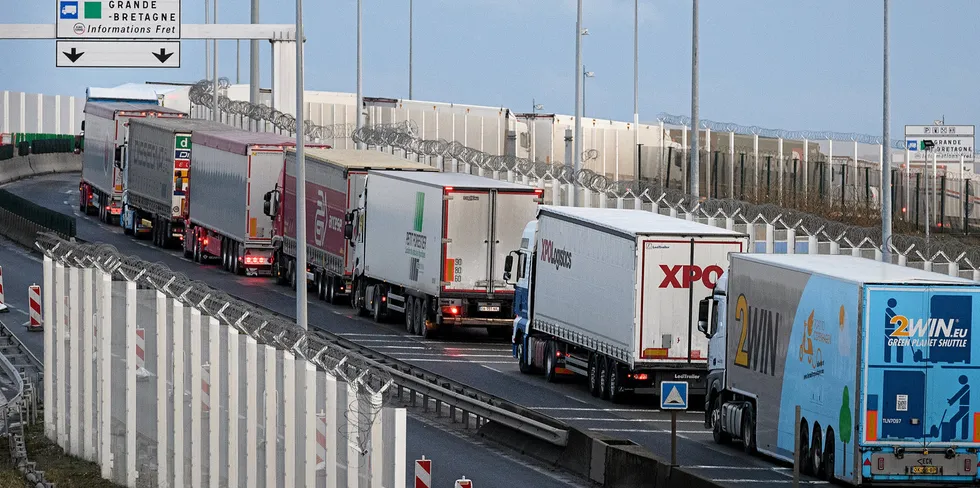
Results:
<point x="704" y="309"/>
<point x="349" y="231"/>
<point x="508" y="263"/>
<point x="267" y="204"/>
<point x="83" y="126"/>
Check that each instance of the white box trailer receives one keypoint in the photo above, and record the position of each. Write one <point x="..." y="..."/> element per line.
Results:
<point x="231" y="171"/>
<point x="334" y="179"/>
<point x="613" y="294"/>
<point x="431" y="246"/>
<point x="106" y="128"/>
<point x="156" y="176"/>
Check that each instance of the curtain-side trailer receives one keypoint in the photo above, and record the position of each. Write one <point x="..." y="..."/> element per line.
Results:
<point x="156" y="177"/>
<point x="231" y="171"/>
<point x="877" y="357"/>
<point x="334" y="179"/>
<point x="106" y="129"/>
<point x="431" y="247"/>
<point x="612" y="295"/>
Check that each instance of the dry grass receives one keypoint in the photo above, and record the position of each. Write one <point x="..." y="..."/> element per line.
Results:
<point x="58" y="467"/>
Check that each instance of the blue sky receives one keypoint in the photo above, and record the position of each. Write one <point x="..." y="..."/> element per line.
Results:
<point x="790" y="64"/>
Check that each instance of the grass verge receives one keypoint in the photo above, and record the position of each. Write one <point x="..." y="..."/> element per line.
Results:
<point x="58" y="467"/>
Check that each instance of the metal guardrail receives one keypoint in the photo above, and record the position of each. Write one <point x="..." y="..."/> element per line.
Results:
<point x="359" y="364"/>
<point x="22" y="408"/>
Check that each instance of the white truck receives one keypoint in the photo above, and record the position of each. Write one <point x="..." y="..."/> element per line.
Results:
<point x="106" y="129"/>
<point x="155" y="176"/>
<point x="613" y="295"/>
<point x="231" y="171"/>
<point x="334" y="179"/>
<point x="428" y="246"/>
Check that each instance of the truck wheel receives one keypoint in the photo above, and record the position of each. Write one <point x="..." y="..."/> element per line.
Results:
<point x="616" y="393"/>
<point x="816" y="453"/>
<point x="719" y="435"/>
<point x="330" y="293"/>
<point x="291" y="274"/>
<point x="410" y="315"/>
<point x="748" y="431"/>
<point x="549" y="361"/>
<point x="594" y="387"/>
<point x="320" y="285"/>
<point x="827" y="466"/>
<point x="522" y="362"/>
<point x="603" y="379"/>
<point x="804" y="447"/>
<point x="358" y="299"/>
<point x="422" y="315"/>
<point x="378" y="309"/>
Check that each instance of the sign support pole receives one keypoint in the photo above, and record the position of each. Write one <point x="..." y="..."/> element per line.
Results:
<point x="673" y="438"/>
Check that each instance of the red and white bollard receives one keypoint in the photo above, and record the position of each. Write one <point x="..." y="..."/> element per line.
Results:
<point x="206" y="388"/>
<point x="3" y="303"/>
<point x="423" y="473"/>
<point x="464" y="483"/>
<point x="321" y="440"/>
<point x="141" y="371"/>
<point x="34" y="298"/>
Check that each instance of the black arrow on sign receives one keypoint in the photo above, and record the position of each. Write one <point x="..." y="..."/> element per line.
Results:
<point x="163" y="55"/>
<point x="74" y="55"/>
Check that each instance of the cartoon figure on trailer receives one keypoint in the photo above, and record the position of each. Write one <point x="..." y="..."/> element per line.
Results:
<point x="891" y="323"/>
<point x="949" y="428"/>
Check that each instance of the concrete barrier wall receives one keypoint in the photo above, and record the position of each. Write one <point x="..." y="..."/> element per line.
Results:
<point x="21" y="167"/>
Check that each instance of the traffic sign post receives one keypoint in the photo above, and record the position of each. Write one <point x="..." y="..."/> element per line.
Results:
<point x="116" y="54"/>
<point x="950" y="142"/>
<point x="117" y="34"/>
<point x="673" y="397"/>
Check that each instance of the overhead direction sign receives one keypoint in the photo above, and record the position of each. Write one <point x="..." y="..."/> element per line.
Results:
<point x="115" y="54"/>
<point x="117" y="19"/>
<point x="950" y="142"/>
<point x="673" y="395"/>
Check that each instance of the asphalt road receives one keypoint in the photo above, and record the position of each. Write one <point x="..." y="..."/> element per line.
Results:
<point x="468" y="358"/>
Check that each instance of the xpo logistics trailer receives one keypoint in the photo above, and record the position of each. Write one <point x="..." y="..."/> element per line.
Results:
<point x="156" y="176"/>
<point x="428" y="245"/>
<point x="334" y="179"/>
<point x="878" y="358"/>
<point x="612" y="294"/>
<point x="231" y="171"/>
<point x="106" y="128"/>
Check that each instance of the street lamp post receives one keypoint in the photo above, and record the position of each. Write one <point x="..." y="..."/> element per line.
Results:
<point x="300" y="268"/>
<point x="695" y="143"/>
<point x="636" y="87"/>
<point x="360" y="94"/>
<point x="411" y="16"/>
<point x="886" y="160"/>
<point x="577" y="138"/>
<point x="585" y="74"/>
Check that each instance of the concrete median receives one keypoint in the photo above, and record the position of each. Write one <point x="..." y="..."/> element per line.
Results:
<point x="38" y="164"/>
<point x="608" y="461"/>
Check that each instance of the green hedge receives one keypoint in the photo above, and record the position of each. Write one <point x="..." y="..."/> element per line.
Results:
<point x="44" y="217"/>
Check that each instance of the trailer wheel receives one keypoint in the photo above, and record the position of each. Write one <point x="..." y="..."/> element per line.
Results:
<point x="237" y="266"/>
<point x="816" y="453"/>
<point x="410" y="315"/>
<point x="422" y="314"/>
<point x="378" y="309"/>
<point x="603" y="378"/>
<point x="616" y="393"/>
<point x="330" y="293"/>
<point x="827" y="465"/>
<point x="594" y="387"/>
<point x="804" y="447"/>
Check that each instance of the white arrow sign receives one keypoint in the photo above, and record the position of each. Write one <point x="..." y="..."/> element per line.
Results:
<point x="118" y="54"/>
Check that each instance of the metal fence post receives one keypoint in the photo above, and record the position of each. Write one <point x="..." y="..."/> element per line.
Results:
<point x="164" y="406"/>
<point x="105" y="374"/>
<point x="214" y="392"/>
<point x="131" y="473"/>
<point x="271" y="417"/>
<point x="74" y="404"/>
<point x="58" y="323"/>
<point x="310" y="421"/>
<point x="234" y="423"/>
<point x="88" y="364"/>
<point x="251" y="413"/>
<point x="289" y="416"/>
<point x="179" y="360"/>
<point x="353" y="428"/>
<point x="332" y="447"/>
<point x="47" y="285"/>
<point x="195" y="339"/>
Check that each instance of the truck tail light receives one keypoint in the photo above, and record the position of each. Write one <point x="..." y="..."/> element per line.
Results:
<point x="451" y="310"/>
<point x="641" y="376"/>
<point x="254" y="260"/>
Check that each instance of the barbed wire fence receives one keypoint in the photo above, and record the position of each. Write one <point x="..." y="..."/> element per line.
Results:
<point x="369" y="382"/>
<point x="405" y="136"/>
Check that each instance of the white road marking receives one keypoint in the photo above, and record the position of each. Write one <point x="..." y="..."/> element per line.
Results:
<point x="593" y="409"/>
<point x="593" y="419"/>
<point x="653" y="431"/>
<point x="743" y="480"/>
<point x="423" y="360"/>
<point x="577" y="400"/>
<point x="492" y="369"/>
<point x="439" y="355"/>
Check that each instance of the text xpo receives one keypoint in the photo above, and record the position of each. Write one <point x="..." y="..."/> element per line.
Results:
<point x="682" y="275"/>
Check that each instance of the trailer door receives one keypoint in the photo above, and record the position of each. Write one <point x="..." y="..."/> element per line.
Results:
<point x="467" y="228"/>
<point x="676" y="273"/>
<point x="920" y="379"/>
<point x="512" y="210"/>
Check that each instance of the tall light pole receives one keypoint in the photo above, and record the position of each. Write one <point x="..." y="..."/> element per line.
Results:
<point x="695" y="143"/>
<point x="411" y="16"/>
<point x="253" y="66"/>
<point x="214" y="50"/>
<point x="585" y="74"/>
<point x="636" y="88"/>
<point x="299" y="270"/>
<point x="886" y="160"/>
<point x="577" y="137"/>
<point x="360" y="93"/>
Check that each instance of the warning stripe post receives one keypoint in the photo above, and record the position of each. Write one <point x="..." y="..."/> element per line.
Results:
<point x="141" y="371"/>
<point x="3" y="303"/>
<point x="321" y="440"/>
<point x="464" y="483"/>
<point x="34" y="299"/>
<point x="423" y="473"/>
<point x="206" y="387"/>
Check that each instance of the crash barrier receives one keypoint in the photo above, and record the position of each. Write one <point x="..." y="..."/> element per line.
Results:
<point x="38" y="164"/>
<point x="40" y="217"/>
<point x="20" y="219"/>
<point x="21" y="369"/>
<point x="6" y="152"/>
<point x="227" y="394"/>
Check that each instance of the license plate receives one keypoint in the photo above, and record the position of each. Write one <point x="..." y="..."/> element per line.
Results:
<point x="925" y="470"/>
<point x="489" y="308"/>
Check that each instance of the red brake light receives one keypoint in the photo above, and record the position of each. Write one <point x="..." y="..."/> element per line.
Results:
<point x="454" y="310"/>
<point x="449" y="188"/>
